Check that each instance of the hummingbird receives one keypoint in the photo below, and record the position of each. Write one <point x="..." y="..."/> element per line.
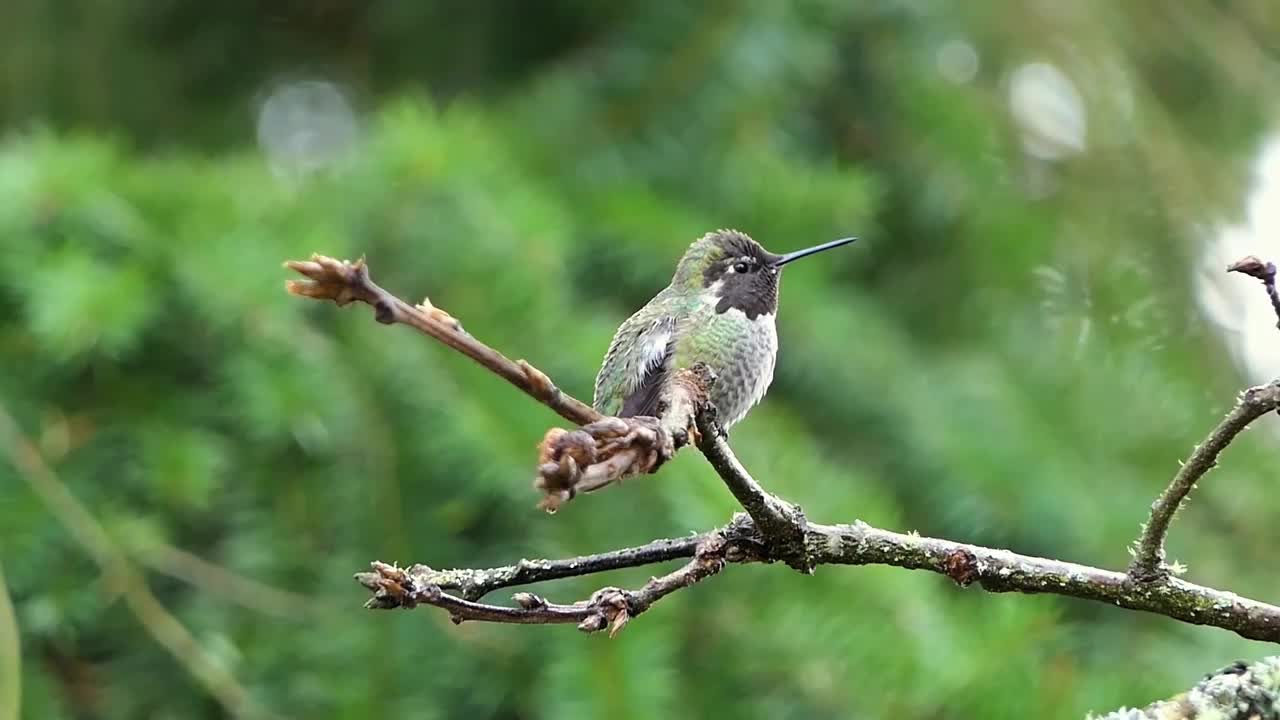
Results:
<point x="719" y="310"/>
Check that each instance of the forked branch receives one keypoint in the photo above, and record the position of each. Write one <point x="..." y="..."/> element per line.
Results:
<point x="603" y="450"/>
<point x="966" y="565"/>
<point x="1148" y="552"/>
<point x="1148" y="555"/>
<point x="608" y="607"/>
<point x="782" y="522"/>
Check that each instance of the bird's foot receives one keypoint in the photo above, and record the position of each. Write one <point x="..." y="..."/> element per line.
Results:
<point x="709" y="418"/>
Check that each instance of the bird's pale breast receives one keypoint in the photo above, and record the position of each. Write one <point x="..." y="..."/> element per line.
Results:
<point x="741" y="351"/>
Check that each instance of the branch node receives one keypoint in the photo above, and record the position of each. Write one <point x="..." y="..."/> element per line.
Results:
<point x="539" y="383"/>
<point x="781" y="525"/>
<point x="440" y="316"/>
<point x="593" y="623"/>
<point x="610" y="608"/>
<point x="328" y="279"/>
<point x="1148" y="564"/>
<point x="529" y="601"/>
<point x="1254" y="267"/>
<point x="962" y="567"/>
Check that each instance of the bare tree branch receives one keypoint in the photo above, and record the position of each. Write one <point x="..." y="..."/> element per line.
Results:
<point x="345" y="282"/>
<point x="994" y="570"/>
<point x="605" y="450"/>
<point x="1148" y="551"/>
<point x="1004" y="571"/>
<point x="601" y="452"/>
<point x="608" y="607"/>
<point x="1148" y="556"/>
<point x="475" y="584"/>
<point x="780" y="521"/>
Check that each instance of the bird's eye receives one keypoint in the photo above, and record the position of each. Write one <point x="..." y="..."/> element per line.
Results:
<point x="740" y="267"/>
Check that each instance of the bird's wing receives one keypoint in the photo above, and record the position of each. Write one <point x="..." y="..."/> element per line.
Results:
<point x="631" y="377"/>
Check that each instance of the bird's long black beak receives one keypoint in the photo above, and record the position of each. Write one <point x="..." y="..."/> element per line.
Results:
<point x="784" y="259"/>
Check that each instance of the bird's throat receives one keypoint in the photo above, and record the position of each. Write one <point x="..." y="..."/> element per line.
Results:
<point x="752" y="301"/>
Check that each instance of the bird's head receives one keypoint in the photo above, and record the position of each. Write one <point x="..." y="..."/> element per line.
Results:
<point x="729" y="268"/>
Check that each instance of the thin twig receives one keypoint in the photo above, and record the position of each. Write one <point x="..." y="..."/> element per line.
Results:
<point x="1148" y="554"/>
<point x="598" y="453"/>
<point x="782" y="523"/>
<point x="121" y="575"/>
<point x="475" y="584"/>
<point x="1266" y="272"/>
<point x="992" y="569"/>
<point x="608" y="607"/>
<point x="1148" y="551"/>
<point x="344" y="282"/>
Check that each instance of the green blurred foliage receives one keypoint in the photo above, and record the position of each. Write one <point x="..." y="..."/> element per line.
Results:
<point x="1012" y="356"/>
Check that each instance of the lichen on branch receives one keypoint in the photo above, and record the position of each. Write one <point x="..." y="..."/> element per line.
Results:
<point x="991" y="569"/>
<point x="1239" y="691"/>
